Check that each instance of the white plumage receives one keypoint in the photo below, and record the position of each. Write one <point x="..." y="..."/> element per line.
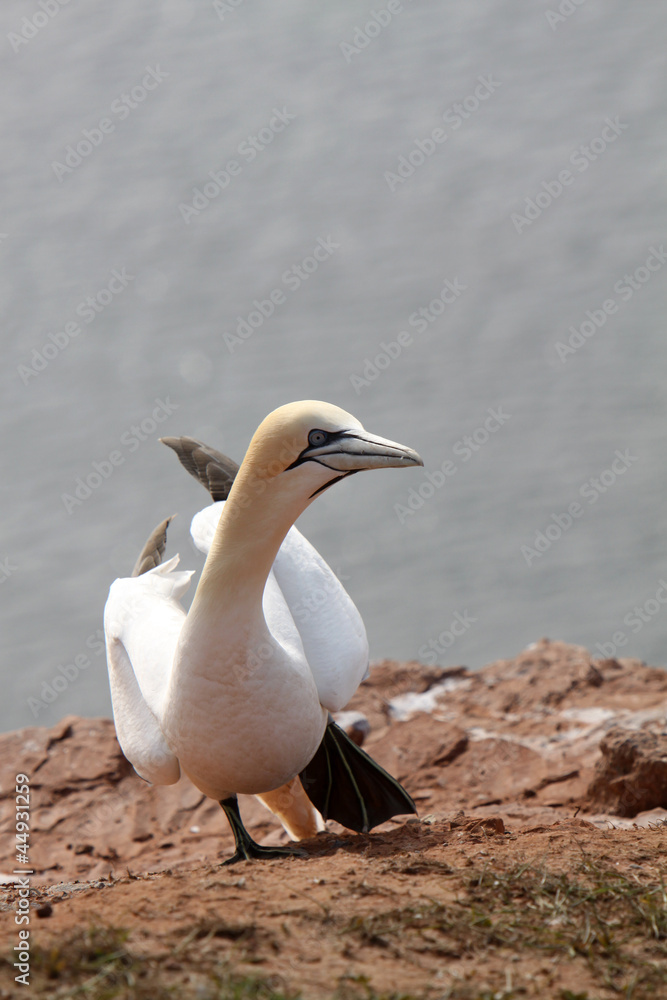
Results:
<point x="143" y="619"/>
<point x="236" y="693"/>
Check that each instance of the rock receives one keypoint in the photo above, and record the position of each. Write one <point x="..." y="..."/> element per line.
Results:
<point x="82" y="751"/>
<point x="419" y="748"/>
<point x="631" y="777"/>
<point x="594" y="677"/>
<point x="389" y="680"/>
<point x="489" y="824"/>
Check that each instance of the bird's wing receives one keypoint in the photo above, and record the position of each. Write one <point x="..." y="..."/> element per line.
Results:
<point x="137" y="728"/>
<point x="153" y="550"/>
<point x="215" y="471"/>
<point x="330" y="627"/>
<point x="143" y="618"/>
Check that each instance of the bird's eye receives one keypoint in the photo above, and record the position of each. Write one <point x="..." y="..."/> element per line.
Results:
<point x="317" y="438"/>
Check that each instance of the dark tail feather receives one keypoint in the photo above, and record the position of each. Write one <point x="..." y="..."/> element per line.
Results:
<point x="153" y="550"/>
<point x="211" y="468"/>
<point x="347" y="785"/>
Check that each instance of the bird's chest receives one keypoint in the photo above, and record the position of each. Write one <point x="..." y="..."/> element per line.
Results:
<point x="249" y="712"/>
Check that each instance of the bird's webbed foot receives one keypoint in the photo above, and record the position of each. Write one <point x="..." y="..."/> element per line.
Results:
<point x="246" y="848"/>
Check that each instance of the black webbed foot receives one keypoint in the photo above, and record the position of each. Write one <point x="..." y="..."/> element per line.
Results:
<point x="246" y="848"/>
<point x="347" y="785"/>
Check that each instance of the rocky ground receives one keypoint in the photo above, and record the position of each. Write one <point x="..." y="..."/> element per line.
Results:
<point x="536" y="867"/>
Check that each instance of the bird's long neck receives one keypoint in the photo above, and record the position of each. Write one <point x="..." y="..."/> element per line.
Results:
<point x="251" y="529"/>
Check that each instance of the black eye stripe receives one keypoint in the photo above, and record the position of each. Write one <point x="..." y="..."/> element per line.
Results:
<point x="317" y="438"/>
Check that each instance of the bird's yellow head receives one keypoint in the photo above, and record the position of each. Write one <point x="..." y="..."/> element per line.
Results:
<point x="313" y="444"/>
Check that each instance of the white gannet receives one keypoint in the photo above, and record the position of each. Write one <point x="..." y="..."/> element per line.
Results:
<point x="237" y="694"/>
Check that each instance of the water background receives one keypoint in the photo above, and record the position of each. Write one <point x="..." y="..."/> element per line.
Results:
<point x="218" y="75"/>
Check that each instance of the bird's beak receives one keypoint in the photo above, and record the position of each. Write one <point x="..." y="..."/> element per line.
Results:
<point x="353" y="451"/>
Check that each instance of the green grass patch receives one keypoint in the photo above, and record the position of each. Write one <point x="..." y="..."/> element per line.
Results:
<point x="98" y="964"/>
<point x="613" y="924"/>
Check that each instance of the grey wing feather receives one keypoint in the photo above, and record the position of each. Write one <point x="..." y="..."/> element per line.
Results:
<point x="215" y="471"/>
<point x="153" y="550"/>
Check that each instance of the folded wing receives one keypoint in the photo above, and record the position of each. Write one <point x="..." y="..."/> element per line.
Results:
<point x="143" y="618"/>
<point x="331" y="629"/>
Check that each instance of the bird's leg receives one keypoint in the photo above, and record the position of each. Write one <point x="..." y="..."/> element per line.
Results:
<point x="246" y="848"/>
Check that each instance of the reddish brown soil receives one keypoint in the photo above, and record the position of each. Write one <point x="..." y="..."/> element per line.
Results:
<point x="512" y="883"/>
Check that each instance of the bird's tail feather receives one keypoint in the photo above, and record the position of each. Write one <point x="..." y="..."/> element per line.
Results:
<point x="347" y="785"/>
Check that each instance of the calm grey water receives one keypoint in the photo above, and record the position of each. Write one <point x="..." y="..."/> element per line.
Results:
<point x="410" y="151"/>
